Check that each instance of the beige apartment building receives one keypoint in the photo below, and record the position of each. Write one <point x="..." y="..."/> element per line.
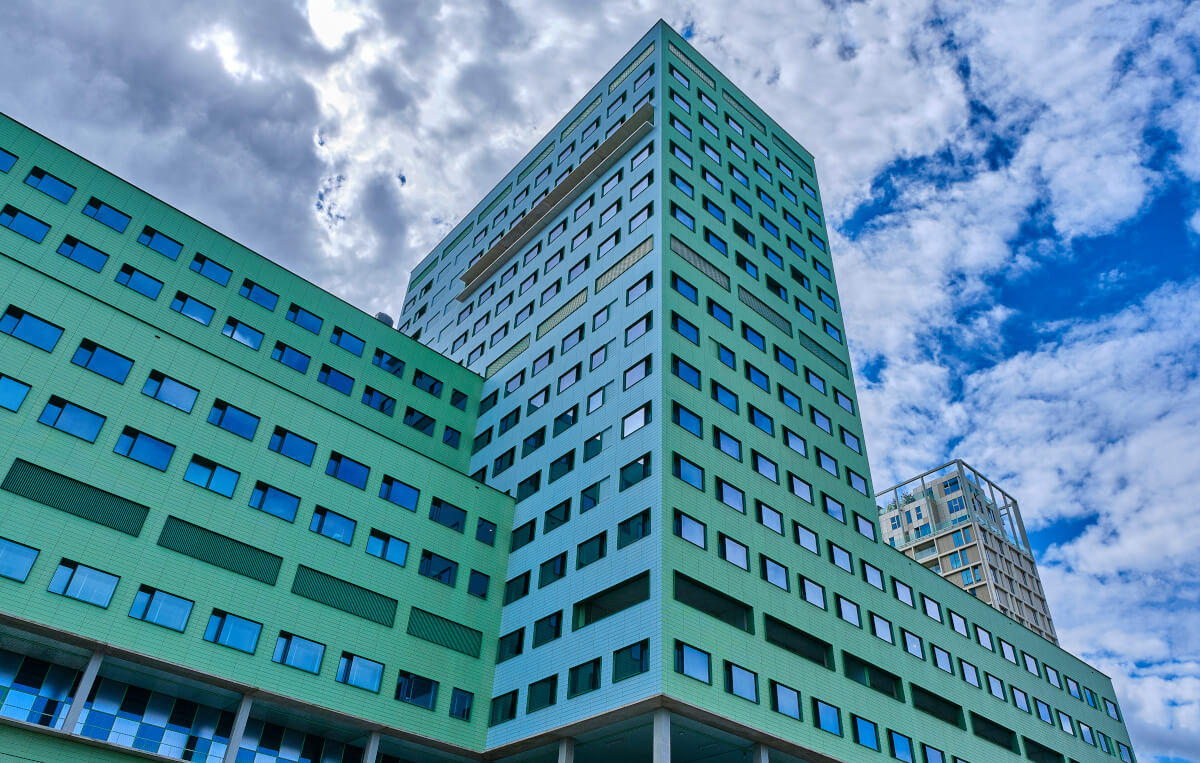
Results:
<point x="964" y="527"/>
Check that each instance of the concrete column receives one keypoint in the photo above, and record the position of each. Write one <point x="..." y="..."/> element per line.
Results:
<point x="371" y="754"/>
<point x="566" y="751"/>
<point x="759" y="753"/>
<point x="86" y="681"/>
<point x="239" y="728"/>
<point x="662" y="736"/>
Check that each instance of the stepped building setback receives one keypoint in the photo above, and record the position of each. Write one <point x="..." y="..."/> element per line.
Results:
<point x="962" y="526"/>
<point x="604" y="495"/>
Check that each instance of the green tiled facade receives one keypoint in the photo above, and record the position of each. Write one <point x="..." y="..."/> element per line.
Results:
<point x="660" y="429"/>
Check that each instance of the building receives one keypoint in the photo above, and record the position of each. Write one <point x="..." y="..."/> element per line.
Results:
<point x="605" y="495"/>
<point x="962" y="526"/>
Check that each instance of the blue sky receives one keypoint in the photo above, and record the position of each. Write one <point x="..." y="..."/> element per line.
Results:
<point x="1012" y="191"/>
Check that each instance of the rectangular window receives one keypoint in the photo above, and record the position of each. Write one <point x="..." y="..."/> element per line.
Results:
<point x="259" y="295"/>
<point x="232" y="631"/>
<point x="347" y="470"/>
<point x="304" y="319"/>
<point x="88" y="256"/>
<point x="103" y="361"/>
<point x="827" y="717"/>
<point x="243" y="333"/>
<point x="290" y="357"/>
<point x="192" y="308"/>
<point x="274" y="501"/>
<point x="67" y="417"/>
<point x="335" y="379"/>
<point x="211" y="269"/>
<point x="416" y="690"/>
<point x="438" y="568"/>
<point x="233" y="419"/>
<point x="87" y="584"/>
<point x="160" y="242"/>
<point x="584" y="678"/>
<point x="211" y="476"/>
<point x="29" y="328"/>
<point x="16" y="559"/>
<point x="631" y="661"/>
<point x="141" y="447"/>
<point x="447" y="514"/>
<point x="633" y="529"/>
<point x="50" y="185"/>
<point x="26" y="225"/>
<point x="333" y="525"/>
<point x="161" y="608"/>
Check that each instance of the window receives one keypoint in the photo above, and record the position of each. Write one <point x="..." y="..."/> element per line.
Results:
<point x="88" y="256"/>
<point x="50" y="185"/>
<point x="290" y="357"/>
<point x="633" y="529"/>
<point x="243" y="333"/>
<point x="192" y="308"/>
<point x="827" y="717"/>
<point x="866" y="733"/>
<point x="170" y="391"/>
<point x="934" y="610"/>
<point x="140" y="446"/>
<point x="584" y="678"/>
<point x="688" y="471"/>
<point x="416" y="690"/>
<point x="1020" y="699"/>
<point x="438" y="568"/>
<point x="211" y="476"/>
<point x="26" y="225"/>
<point x="274" y="501"/>
<point x="727" y="444"/>
<point x="233" y="419"/>
<point x="354" y="670"/>
<point x="304" y="319"/>
<point x="725" y="396"/>
<point x="29" y="328"/>
<point x="347" y="470"/>
<point x="635" y="471"/>
<point x="773" y="572"/>
<point x="477" y="584"/>
<point x="873" y="575"/>
<point x="232" y="631"/>
<point x="139" y="282"/>
<point x="72" y="419"/>
<point x="805" y="538"/>
<point x="882" y="628"/>
<point x="901" y="746"/>
<point x="741" y="682"/>
<point x="769" y="517"/>
<point x="764" y="466"/>
<point x="690" y="529"/>
<point x="447" y="514"/>
<point x="800" y="488"/>
<point x="995" y="686"/>
<point x="941" y="658"/>
<point x="102" y="360"/>
<point x="259" y="295"/>
<point x="400" y="493"/>
<point x="912" y="644"/>
<point x="591" y="550"/>
<point x="87" y="584"/>
<point x="552" y="570"/>
<point x="335" y="379"/>
<point x="16" y="559"/>
<point x="969" y="673"/>
<point x="984" y="638"/>
<point x="834" y="507"/>
<point x="631" y="661"/>
<point x="733" y="552"/>
<point x="103" y="213"/>
<point x="161" y="608"/>
<point x="385" y="404"/>
<point x="813" y="592"/>
<point x="333" y="525"/>
<point x="503" y="709"/>
<point x="211" y="269"/>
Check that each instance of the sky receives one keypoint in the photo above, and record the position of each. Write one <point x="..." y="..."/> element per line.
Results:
<point x="1012" y="191"/>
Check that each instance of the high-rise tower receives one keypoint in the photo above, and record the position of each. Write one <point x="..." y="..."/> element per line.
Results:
<point x="612" y="503"/>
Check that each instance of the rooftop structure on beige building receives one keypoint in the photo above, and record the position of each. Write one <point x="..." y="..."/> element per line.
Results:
<point x="962" y="526"/>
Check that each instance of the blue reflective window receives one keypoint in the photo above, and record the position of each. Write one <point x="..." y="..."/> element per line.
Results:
<point x="817" y="240"/>
<point x="259" y="295"/>
<point x="754" y="338"/>
<point x="827" y="717"/>
<point x="88" y="256"/>
<point x="379" y="401"/>
<point x="232" y="631"/>
<point x="388" y="362"/>
<point x="387" y="547"/>
<point x="713" y="209"/>
<point x="78" y="581"/>
<point x="420" y="421"/>
<point x="291" y="357"/>
<point x="727" y="444"/>
<point x="233" y="419"/>
<point x="866" y="733"/>
<point x="785" y="360"/>
<point x="685" y="328"/>
<point x="805" y="310"/>
<point x="304" y="319"/>
<point x="689" y="472"/>
<point x="72" y="419"/>
<point x="103" y="361"/>
<point x="685" y="371"/>
<point x="788" y="194"/>
<point x="400" y="493"/>
<point x="140" y="446"/>
<point x="740" y="203"/>
<point x="833" y="331"/>
<point x="901" y="746"/>
<point x="298" y="652"/>
<point x="50" y="185"/>
<point x="161" y="608"/>
<point x="354" y="670"/>
<point x="430" y="384"/>
<point x="16" y="559"/>
<point x="347" y="341"/>
<point x="682" y="185"/>
<point x="758" y="378"/>
<point x="683" y="217"/>
<point x="347" y="470"/>
<point x="445" y="513"/>
<point x="725" y="396"/>
<point x="211" y="476"/>
<point x="135" y="279"/>
<point x="170" y="391"/>
<point x="716" y="242"/>
<point x="211" y="269"/>
<point x="796" y="249"/>
<point x="276" y="502"/>
<point x="766" y="198"/>
<point x="336" y="379"/>
<point x="12" y="393"/>
<point x="333" y="525"/>
<point x="192" y="308"/>
<point x="438" y="568"/>
<point x="7" y="160"/>
<point x="681" y="155"/>
<point x="293" y="446"/>
<point x="240" y="332"/>
<point x="686" y="289"/>
<point x="822" y="270"/>
<point x="110" y="216"/>
<point x="19" y="222"/>
<point x="769" y="226"/>
<point x="160" y="242"/>
<point x="720" y="313"/>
